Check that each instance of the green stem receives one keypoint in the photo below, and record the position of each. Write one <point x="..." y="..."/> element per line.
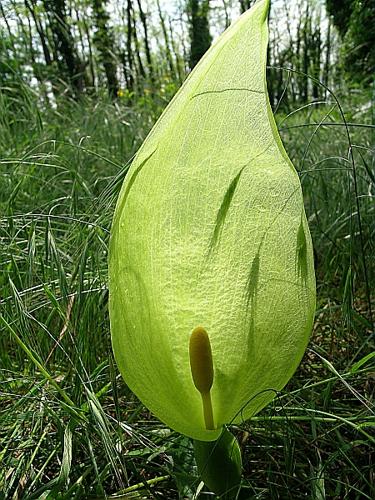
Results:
<point x="207" y="410"/>
<point x="219" y="464"/>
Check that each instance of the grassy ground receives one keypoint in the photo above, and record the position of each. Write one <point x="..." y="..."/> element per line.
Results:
<point x="69" y="427"/>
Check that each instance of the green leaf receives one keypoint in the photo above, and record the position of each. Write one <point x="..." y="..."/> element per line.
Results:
<point x="356" y="366"/>
<point x="210" y="232"/>
<point x="66" y="462"/>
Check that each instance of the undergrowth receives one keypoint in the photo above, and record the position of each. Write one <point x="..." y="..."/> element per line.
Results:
<point x="69" y="427"/>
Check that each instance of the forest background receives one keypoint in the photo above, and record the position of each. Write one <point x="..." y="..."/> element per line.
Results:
<point x="81" y="84"/>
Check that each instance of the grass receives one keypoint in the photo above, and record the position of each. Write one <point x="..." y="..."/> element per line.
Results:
<point x="69" y="427"/>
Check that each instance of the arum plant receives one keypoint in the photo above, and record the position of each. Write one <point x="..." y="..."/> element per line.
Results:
<point x="212" y="288"/>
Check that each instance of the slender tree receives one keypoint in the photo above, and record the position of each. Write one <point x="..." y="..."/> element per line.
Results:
<point x="128" y="58"/>
<point x="305" y="55"/>
<point x="327" y="63"/>
<point x="226" y="14"/>
<point x="200" y="37"/>
<point x="66" y="55"/>
<point x="137" y="46"/>
<point x="179" y="64"/>
<point x="315" y="52"/>
<point x="82" y="21"/>
<point x="166" y="40"/>
<point x="9" y="29"/>
<point x="10" y="60"/>
<point x="143" y="18"/>
<point x="27" y="36"/>
<point x="105" y="45"/>
<point x="32" y="8"/>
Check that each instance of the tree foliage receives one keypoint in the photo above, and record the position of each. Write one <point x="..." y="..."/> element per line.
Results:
<point x="131" y="47"/>
<point x="359" y="42"/>
<point x="355" y="21"/>
<point x="340" y="10"/>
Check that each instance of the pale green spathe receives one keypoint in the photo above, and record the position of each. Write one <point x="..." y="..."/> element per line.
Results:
<point x="210" y="231"/>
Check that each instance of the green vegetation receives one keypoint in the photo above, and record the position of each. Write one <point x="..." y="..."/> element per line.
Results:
<point x="68" y="424"/>
<point x="355" y="20"/>
<point x="69" y="427"/>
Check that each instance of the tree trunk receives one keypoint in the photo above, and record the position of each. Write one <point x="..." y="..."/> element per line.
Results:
<point x="316" y="54"/>
<point x="226" y="13"/>
<point x="200" y="38"/>
<point x="146" y="42"/>
<point x="40" y="30"/>
<point x="64" y="44"/>
<point x="179" y="64"/>
<point x="327" y="59"/>
<point x="141" y="68"/>
<point x="9" y="29"/>
<point x="129" y="72"/>
<point x="86" y="30"/>
<point x="305" y="55"/>
<point x="166" y="41"/>
<point x="298" y="77"/>
<point x="105" y="45"/>
<point x="28" y="38"/>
